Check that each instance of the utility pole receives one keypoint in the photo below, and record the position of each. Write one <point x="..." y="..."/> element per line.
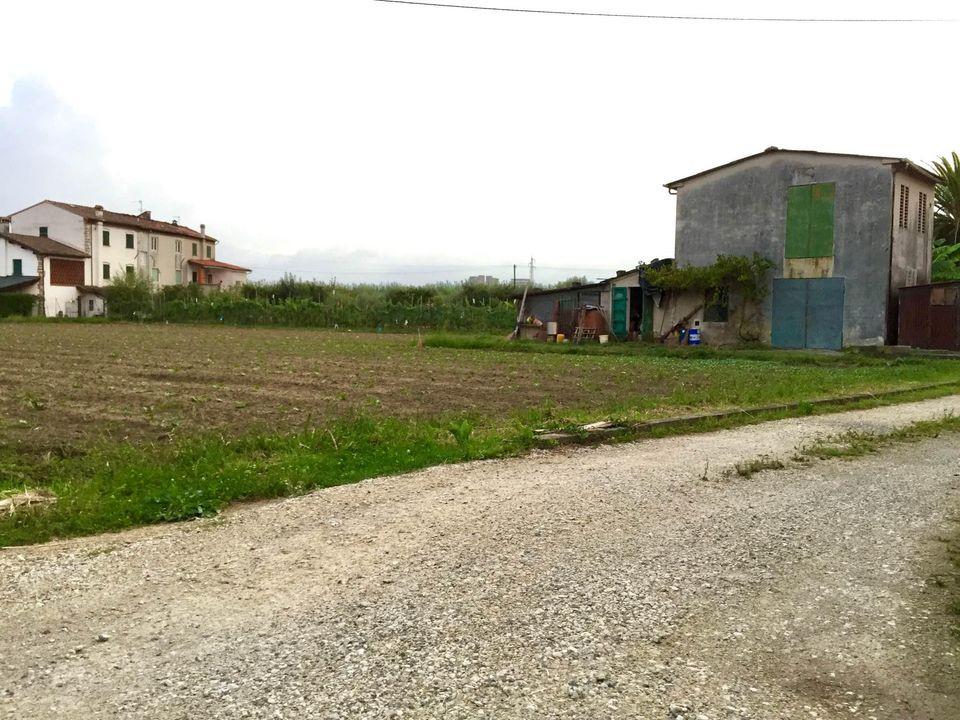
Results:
<point x="530" y="281"/>
<point x="514" y="276"/>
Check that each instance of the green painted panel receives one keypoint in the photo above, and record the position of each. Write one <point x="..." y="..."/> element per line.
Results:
<point x="821" y="220"/>
<point x="798" y="221"/>
<point x="646" y="324"/>
<point x="618" y="317"/>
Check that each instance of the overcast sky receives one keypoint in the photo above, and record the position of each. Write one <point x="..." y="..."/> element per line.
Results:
<point x="391" y="143"/>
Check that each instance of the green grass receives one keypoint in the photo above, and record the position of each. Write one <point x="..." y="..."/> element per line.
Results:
<point x="121" y="485"/>
<point x="855" y="444"/>
<point x="749" y="468"/>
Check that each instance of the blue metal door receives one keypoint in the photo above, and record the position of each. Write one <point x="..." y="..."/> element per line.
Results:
<point x="825" y="313"/>
<point x="808" y="313"/>
<point x="789" y="313"/>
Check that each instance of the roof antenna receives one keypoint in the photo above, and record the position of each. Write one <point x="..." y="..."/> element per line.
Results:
<point x="141" y="205"/>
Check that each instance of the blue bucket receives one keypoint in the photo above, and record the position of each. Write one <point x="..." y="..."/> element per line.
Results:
<point x="693" y="336"/>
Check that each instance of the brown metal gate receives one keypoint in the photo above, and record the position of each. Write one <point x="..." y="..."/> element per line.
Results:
<point x="930" y="316"/>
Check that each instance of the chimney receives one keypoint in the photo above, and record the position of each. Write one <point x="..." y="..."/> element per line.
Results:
<point x="203" y="231"/>
<point x="145" y="215"/>
<point x="98" y="211"/>
<point x="4" y="224"/>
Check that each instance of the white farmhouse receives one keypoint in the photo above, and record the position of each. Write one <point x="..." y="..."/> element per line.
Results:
<point x="166" y="252"/>
<point x="46" y="268"/>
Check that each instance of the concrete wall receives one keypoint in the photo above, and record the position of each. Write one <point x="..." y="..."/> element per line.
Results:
<point x="62" y="225"/>
<point x="674" y="307"/>
<point x="912" y="249"/>
<point x="743" y="209"/>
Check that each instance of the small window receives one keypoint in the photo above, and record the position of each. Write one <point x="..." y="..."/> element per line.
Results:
<point x="194" y="249"/>
<point x="106" y="271"/>
<point x="194" y="276"/>
<point x="154" y="241"/>
<point x="156" y="276"/>
<point x="716" y="305"/>
<point x="90" y="304"/>
<point x="904" y="206"/>
<point x="43" y="231"/>
<point x="922" y="213"/>
<point x="129" y="241"/>
<point x="209" y="279"/>
<point x="106" y="238"/>
<point x="179" y="246"/>
<point x="18" y="267"/>
<point x="209" y="251"/>
<point x="178" y="276"/>
<point x="130" y="271"/>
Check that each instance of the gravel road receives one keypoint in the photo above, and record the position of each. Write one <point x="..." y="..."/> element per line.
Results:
<point x="609" y="582"/>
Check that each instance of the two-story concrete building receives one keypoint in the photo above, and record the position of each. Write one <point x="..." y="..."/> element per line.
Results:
<point x="844" y="232"/>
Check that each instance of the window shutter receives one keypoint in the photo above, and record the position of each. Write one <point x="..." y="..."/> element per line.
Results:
<point x="798" y="221"/>
<point x="822" y="198"/>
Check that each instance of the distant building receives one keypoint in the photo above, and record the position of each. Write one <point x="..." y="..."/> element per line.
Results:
<point x="91" y="246"/>
<point x="482" y="280"/>
<point x="168" y="253"/>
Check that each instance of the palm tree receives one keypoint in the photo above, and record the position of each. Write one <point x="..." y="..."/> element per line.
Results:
<point x="947" y="196"/>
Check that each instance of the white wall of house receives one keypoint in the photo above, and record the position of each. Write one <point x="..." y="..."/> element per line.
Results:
<point x="11" y="251"/>
<point x="62" y="225"/>
<point x="60" y="299"/>
<point x="117" y="255"/>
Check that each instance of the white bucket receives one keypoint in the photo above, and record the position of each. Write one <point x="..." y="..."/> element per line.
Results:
<point x="604" y="339"/>
<point x="551" y="328"/>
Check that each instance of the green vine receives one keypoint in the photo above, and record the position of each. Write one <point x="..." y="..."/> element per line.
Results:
<point x="747" y="274"/>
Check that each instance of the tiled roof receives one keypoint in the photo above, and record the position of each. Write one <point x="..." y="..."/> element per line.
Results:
<point x="44" y="245"/>
<point x="131" y="221"/>
<point x="203" y="262"/>
<point x="12" y="282"/>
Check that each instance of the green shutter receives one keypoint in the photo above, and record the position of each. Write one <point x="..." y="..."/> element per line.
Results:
<point x="810" y="211"/>
<point x="798" y="221"/>
<point x="821" y="220"/>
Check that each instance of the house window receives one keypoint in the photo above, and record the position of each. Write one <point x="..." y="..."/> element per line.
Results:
<point x="178" y="276"/>
<point x="42" y="231"/>
<point x="66" y="272"/>
<point x="922" y="214"/>
<point x="129" y="241"/>
<point x="810" y="211"/>
<point x="106" y="271"/>
<point x="154" y="241"/>
<point x="18" y="267"/>
<point x="90" y="304"/>
<point x="106" y="238"/>
<point x="209" y="251"/>
<point x="904" y="206"/>
<point x="129" y="271"/>
<point x="716" y="305"/>
<point x="179" y="246"/>
<point x="194" y="249"/>
<point x="209" y="279"/>
<point x="156" y="276"/>
<point x="194" y="274"/>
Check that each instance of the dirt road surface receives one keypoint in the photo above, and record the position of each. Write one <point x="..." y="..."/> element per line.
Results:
<point x="611" y="582"/>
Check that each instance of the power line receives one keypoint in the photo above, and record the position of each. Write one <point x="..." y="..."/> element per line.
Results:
<point x="637" y="16"/>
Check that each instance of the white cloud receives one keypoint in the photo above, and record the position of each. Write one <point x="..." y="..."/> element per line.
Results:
<point x="456" y="138"/>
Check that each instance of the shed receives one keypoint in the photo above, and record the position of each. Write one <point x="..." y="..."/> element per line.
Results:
<point x="930" y="316"/>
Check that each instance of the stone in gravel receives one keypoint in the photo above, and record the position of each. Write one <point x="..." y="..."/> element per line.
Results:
<point x="102" y="637"/>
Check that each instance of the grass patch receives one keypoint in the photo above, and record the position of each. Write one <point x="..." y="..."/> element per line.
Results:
<point x="764" y="462"/>
<point x="119" y="486"/>
<point x="855" y="444"/>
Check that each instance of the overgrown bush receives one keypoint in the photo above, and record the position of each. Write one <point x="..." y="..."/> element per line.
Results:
<point x="17" y="304"/>
<point x="129" y="297"/>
